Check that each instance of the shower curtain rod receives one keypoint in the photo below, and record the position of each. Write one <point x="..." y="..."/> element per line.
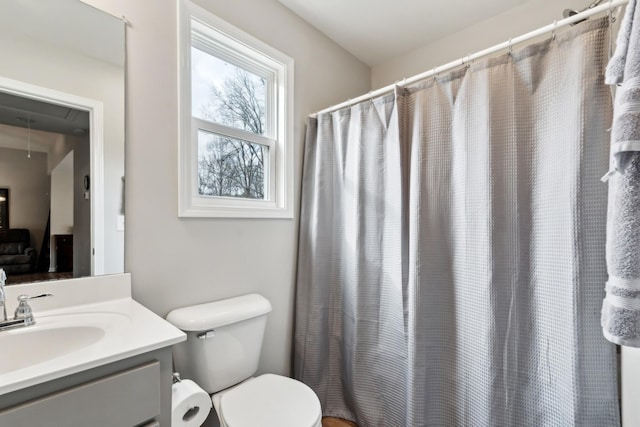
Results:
<point x="611" y="4"/>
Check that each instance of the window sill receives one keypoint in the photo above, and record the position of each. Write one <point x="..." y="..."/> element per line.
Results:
<point x="207" y="208"/>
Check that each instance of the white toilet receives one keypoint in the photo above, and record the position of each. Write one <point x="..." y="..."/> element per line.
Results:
<point x="221" y="353"/>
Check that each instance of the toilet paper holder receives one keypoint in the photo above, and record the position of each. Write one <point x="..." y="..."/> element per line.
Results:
<point x="192" y="411"/>
<point x="176" y="377"/>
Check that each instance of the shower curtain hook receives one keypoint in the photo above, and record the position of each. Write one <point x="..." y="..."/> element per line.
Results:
<point x="612" y="18"/>
<point x="553" y="32"/>
<point x="434" y="75"/>
<point x="510" y="47"/>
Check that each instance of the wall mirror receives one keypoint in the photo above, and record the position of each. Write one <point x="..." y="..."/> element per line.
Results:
<point x="62" y="95"/>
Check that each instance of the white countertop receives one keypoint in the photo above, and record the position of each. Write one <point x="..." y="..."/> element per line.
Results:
<point x="117" y="328"/>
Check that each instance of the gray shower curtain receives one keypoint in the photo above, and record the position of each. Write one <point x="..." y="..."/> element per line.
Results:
<point x="451" y="253"/>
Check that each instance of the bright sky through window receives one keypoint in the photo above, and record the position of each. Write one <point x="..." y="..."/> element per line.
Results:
<point x="226" y="94"/>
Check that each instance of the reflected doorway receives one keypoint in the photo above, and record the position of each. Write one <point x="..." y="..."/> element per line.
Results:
<point x="45" y="162"/>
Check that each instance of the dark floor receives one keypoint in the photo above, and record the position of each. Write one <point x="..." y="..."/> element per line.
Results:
<point x="337" y="422"/>
<point x="14" y="279"/>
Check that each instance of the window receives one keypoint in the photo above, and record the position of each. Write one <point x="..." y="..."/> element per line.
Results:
<point x="236" y="148"/>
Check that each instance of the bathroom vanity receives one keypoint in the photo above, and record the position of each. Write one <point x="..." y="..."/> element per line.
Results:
<point x="94" y="357"/>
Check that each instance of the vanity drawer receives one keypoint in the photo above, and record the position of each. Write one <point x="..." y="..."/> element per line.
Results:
<point x="124" y="399"/>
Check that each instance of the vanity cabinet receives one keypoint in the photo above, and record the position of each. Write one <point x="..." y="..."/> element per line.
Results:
<point x="102" y="402"/>
<point x="128" y="393"/>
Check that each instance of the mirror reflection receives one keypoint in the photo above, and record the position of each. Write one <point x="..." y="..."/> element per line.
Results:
<point x="61" y="140"/>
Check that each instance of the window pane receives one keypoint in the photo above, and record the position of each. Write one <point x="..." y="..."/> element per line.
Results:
<point x="230" y="167"/>
<point x="226" y="94"/>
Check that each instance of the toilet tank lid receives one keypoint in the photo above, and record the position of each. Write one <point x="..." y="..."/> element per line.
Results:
<point x="215" y="314"/>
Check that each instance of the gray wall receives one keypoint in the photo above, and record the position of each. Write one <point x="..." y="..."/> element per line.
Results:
<point x="528" y="16"/>
<point x="29" y="187"/>
<point x="81" y="210"/>
<point x="178" y="262"/>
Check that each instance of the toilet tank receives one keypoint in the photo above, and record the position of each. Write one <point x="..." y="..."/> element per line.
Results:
<point x="224" y="340"/>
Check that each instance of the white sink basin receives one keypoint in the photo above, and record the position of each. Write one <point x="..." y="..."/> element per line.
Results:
<point x="88" y="323"/>
<point x="56" y="336"/>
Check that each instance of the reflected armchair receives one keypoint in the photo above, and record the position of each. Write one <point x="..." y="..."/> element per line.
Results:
<point x="16" y="253"/>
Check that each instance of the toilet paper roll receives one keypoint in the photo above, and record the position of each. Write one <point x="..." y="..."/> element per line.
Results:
<point x="190" y="404"/>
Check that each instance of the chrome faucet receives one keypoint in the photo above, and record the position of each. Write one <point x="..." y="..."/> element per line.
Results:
<point x="24" y="312"/>
<point x="23" y="315"/>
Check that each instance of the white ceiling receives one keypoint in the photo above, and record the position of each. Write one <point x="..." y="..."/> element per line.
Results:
<point x="16" y="138"/>
<point x="375" y="31"/>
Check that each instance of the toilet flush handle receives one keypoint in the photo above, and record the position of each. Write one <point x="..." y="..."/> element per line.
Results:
<point x="207" y="334"/>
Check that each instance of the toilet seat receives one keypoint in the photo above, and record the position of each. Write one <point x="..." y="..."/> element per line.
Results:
<point x="269" y="401"/>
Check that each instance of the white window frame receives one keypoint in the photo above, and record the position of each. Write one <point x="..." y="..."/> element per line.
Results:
<point x="216" y="35"/>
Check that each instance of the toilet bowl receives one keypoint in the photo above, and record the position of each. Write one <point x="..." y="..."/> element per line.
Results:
<point x="221" y="353"/>
<point x="268" y="400"/>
